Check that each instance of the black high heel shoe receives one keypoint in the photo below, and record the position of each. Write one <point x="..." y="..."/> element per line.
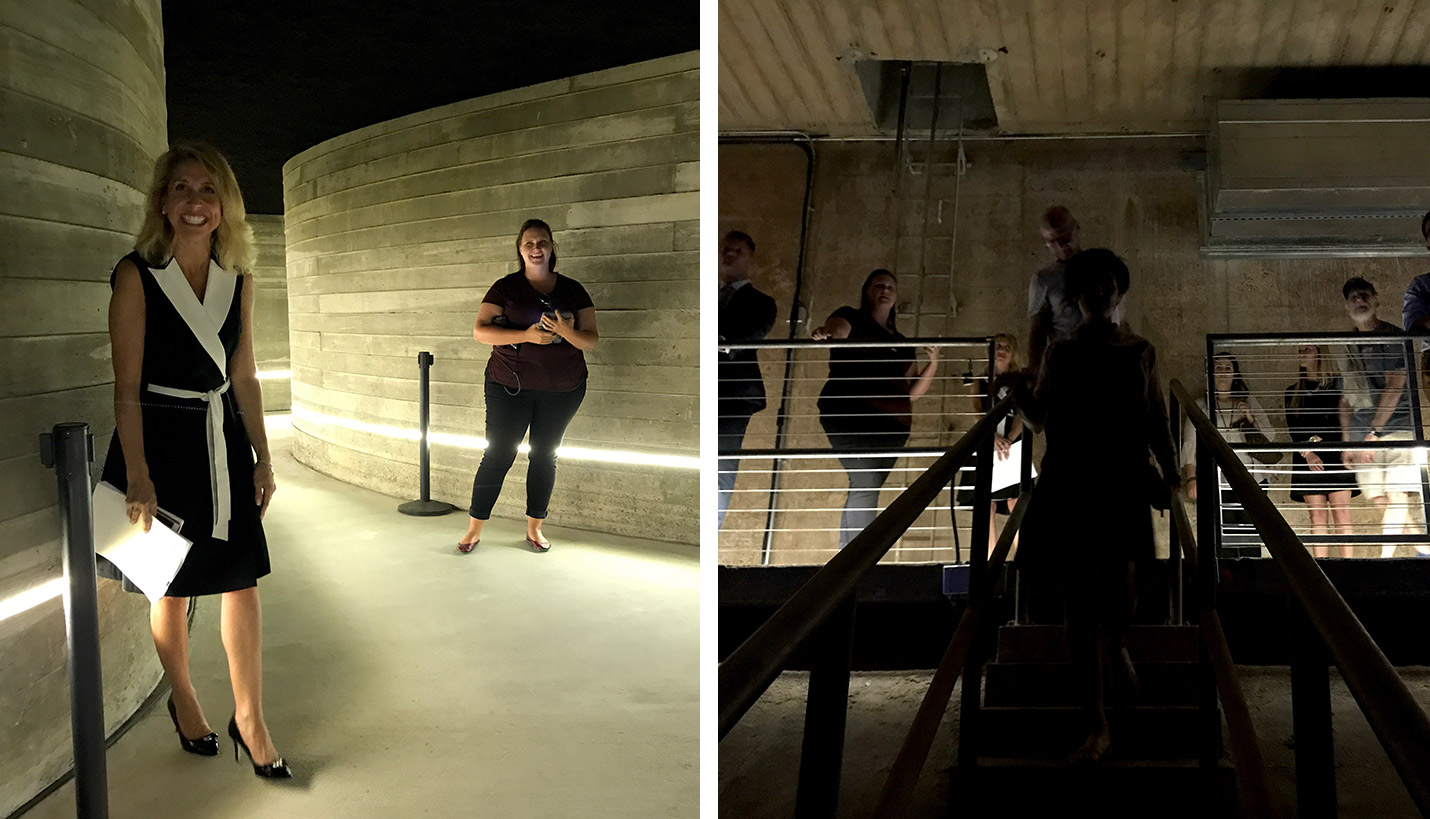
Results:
<point x="277" y="769"/>
<point x="203" y="746"/>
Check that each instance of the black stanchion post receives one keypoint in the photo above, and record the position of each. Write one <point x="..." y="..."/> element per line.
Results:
<point x="69" y="449"/>
<point x="424" y="506"/>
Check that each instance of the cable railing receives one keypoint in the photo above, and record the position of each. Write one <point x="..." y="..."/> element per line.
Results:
<point x="820" y="613"/>
<point x="1295" y="408"/>
<point x="826" y="454"/>
<point x="1322" y="623"/>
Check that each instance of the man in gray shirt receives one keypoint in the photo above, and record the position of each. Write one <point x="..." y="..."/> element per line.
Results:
<point x="1054" y="316"/>
<point x="1378" y="409"/>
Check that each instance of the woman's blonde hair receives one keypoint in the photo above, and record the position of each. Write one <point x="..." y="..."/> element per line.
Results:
<point x="1012" y="341"/>
<point x="233" y="245"/>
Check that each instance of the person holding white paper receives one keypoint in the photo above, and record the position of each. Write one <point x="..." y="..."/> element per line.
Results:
<point x="1008" y="433"/>
<point x="189" y="432"/>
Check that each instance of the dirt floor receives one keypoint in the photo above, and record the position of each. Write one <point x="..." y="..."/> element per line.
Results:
<point x="759" y="759"/>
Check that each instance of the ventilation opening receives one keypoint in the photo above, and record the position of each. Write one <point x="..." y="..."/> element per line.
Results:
<point x="962" y="95"/>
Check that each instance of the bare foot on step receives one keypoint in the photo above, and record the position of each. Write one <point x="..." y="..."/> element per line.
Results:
<point x="1092" y="750"/>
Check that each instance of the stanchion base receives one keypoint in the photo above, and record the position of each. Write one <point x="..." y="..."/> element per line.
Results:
<point x="425" y="508"/>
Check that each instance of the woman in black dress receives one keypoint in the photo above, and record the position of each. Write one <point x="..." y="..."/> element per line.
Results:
<point x="865" y="404"/>
<point x="1318" y="478"/>
<point x="188" y="414"/>
<point x="539" y="323"/>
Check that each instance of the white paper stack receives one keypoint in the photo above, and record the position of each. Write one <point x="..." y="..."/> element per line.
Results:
<point x="149" y="559"/>
<point x="1008" y="471"/>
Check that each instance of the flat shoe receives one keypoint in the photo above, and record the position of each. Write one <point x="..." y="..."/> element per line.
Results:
<point x="538" y="545"/>
<point x="466" y="548"/>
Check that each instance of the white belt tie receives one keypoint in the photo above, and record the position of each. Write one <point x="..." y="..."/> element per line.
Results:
<point x="218" y="451"/>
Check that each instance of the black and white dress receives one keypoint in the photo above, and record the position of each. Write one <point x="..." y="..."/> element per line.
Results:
<point x="198" y="452"/>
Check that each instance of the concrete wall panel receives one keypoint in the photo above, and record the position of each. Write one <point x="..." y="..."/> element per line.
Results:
<point x="270" y="310"/>
<point x="82" y="90"/>
<point x="395" y="232"/>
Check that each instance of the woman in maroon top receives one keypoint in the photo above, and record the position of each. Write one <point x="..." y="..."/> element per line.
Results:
<point x="539" y="324"/>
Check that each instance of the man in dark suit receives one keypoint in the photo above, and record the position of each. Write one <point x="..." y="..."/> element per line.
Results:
<point x="746" y="314"/>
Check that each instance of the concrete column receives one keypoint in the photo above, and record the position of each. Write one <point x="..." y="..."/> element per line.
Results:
<point x="270" y="310"/>
<point x="395" y="232"/>
<point x="82" y="90"/>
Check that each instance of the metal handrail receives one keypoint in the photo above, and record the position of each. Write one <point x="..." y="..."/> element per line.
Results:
<point x="913" y="754"/>
<point x="750" y="669"/>
<point x="1399" y="723"/>
<point x="1253" y="783"/>
<point x="846" y="343"/>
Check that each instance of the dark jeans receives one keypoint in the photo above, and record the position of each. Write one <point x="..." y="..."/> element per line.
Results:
<point x="546" y="413"/>
<point x="866" y="474"/>
<point x="730" y="437"/>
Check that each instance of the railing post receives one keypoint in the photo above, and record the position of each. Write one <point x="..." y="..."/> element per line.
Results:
<point x="1208" y="542"/>
<point x="1174" y="539"/>
<point x="979" y="544"/>
<point x="69" y="449"/>
<point x="1311" y="718"/>
<point x="826" y="710"/>
<point x="1412" y="394"/>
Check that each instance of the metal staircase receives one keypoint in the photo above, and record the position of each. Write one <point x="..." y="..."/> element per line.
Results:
<point x="1030" y="721"/>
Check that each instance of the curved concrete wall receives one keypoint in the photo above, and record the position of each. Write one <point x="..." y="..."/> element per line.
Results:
<point x="270" y="311"/>
<point x="82" y="91"/>
<point x="395" y="232"/>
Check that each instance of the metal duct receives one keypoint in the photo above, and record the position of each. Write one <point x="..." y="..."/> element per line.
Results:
<point x="1316" y="178"/>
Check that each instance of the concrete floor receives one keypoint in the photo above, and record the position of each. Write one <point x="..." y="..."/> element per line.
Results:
<point x="403" y="679"/>
<point x="759" y="757"/>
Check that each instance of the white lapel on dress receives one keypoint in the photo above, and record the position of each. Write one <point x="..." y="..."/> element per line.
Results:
<point x="171" y="280"/>
<point x="218" y="298"/>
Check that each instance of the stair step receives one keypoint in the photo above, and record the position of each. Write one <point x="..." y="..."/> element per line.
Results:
<point x="1049" y="732"/>
<point x="1012" y="684"/>
<point x="1044" y="643"/>
<point x="1004" y="787"/>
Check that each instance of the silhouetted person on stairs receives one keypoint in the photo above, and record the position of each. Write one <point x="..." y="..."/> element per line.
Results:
<point x="1099" y="400"/>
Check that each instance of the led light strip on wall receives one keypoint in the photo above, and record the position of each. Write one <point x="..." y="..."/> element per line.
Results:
<point x="26" y="600"/>
<point x="273" y="375"/>
<point x="575" y="453"/>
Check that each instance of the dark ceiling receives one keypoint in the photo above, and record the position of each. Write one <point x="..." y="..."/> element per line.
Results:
<point x="265" y="81"/>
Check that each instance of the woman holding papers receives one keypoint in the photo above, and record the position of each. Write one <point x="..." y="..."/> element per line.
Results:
<point x="1008" y="433"/>
<point x="189" y="432"/>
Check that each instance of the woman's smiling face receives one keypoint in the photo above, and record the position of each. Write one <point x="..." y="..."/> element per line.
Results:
<point x="191" y="201"/>
<point x="536" y="246"/>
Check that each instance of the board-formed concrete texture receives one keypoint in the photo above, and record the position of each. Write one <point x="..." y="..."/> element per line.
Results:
<point x="1135" y="196"/>
<point x="396" y="231"/>
<point x="82" y="91"/>
<point x="270" y="311"/>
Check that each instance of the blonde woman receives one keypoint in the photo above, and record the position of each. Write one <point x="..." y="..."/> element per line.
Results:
<point x="1010" y="429"/>
<point x="1318" y="478"/>
<point x="189" y="432"/>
